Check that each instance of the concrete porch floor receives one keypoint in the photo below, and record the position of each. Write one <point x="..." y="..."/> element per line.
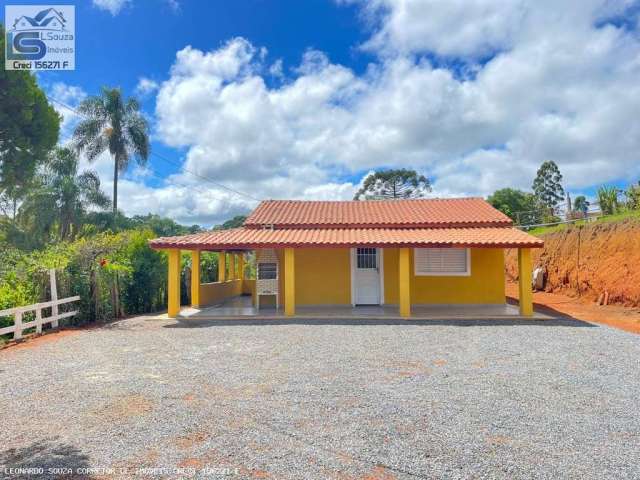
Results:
<point x="241" y="307"/>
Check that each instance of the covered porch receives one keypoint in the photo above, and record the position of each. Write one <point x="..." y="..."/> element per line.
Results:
<point x="233" y="295"/>
<point x="243" y="307"/>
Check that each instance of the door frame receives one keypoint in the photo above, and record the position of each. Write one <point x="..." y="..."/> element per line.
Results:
<point x="380" y="260"/>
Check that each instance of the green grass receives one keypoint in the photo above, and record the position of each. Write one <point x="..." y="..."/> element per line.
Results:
<point x="618" y="217"/>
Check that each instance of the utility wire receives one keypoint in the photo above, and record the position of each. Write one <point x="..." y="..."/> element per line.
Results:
<point x="173" y="162"/>
<point x="149" y="171"/>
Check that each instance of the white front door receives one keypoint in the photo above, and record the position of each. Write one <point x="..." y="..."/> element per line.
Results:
<point x="366" y="276"/>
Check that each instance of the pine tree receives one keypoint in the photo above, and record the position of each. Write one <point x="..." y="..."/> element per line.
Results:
<point x="393" y="184"/>
<point x="547" y="185"/>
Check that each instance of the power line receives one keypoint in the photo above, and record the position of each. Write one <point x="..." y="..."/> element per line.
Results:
<point x="173" y="162"/>
<point x="155" y="174"/>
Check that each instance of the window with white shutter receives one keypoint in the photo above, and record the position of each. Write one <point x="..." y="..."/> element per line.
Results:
<point x="442" y="262"/>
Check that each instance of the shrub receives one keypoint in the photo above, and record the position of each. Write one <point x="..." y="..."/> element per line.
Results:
<point x="633" y="197"/>
<point x="113" y="273"/>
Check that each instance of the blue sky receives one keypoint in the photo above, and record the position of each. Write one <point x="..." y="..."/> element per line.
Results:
<point x="117" y="47"/>
<point x="300" y="99"/>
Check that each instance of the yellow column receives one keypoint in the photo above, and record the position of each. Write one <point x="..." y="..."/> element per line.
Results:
<point x="195" y="278"/>
<point x="241" y="266"/>
<point x="524" y="284"/>
<point x="233" y="273"/>
<point x="289" y="282"/>
<point x="222" y="266"/>
<point x="404" y="282"/>
<point x="173" y="283"/>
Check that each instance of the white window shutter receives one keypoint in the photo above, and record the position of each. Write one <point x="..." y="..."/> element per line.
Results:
<point x="441" y="261"/>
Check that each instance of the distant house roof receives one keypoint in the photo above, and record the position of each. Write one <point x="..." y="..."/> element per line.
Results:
<point x="422" y="213"/>
<point x="252" y="238"/>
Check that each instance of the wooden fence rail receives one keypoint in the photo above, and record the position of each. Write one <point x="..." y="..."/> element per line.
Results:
<point x="18" y="312"/>
<point x="18" y="326"/>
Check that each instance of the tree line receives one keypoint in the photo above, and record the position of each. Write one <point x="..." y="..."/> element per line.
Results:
<point x="542" y="204"/>
<point x="55" y="215"/>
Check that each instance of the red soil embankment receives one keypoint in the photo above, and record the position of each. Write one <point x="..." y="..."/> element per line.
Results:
<point x="624" y="318"/>
<point x="590" y="260"/>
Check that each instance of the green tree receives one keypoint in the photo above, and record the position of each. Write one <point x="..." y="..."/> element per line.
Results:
<point x="114" y="124"/>
<point x="163" y="227"/>
<point x="235" y="222"/>
<point x="518" y="205"/>
<point x="144" y="285"/>
<point x="547" y="186"/>
<point x="581" y="204"/>
<point x="61" y="197"/>
<point x="29" y="128"/>
<point x="393" y="184"/>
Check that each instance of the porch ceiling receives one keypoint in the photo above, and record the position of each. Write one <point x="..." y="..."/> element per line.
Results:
<point x="253" y="238"/>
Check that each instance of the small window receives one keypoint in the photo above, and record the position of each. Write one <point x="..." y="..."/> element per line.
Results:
<point x="366" y="258"/>
<point x="267" y="271"/>
<point x="442" y="262"/>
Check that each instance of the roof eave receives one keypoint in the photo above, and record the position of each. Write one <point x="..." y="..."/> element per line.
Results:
<point x="258" y="245"/>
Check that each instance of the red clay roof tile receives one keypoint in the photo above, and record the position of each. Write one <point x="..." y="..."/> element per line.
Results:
<point x="251" y="238"/>
<point x="425" y="213"/>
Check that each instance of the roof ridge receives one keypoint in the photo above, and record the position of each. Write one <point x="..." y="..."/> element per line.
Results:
<point x="426" y="212"/>
<point x="382" y="200"/>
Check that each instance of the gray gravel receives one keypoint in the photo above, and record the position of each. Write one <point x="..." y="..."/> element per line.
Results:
<point x="326" y="399"/>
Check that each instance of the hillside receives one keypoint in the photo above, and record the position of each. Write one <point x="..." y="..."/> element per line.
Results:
<point x="590" y="259"/>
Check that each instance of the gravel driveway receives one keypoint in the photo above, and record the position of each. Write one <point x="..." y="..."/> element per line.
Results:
<point x="325" y="399"/>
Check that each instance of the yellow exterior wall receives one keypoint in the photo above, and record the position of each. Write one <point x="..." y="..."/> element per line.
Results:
<point x="216" y="292"/>
<point x="322" y="276"/>
<point x="248" y="286"/>
<point x="485" y="285"/>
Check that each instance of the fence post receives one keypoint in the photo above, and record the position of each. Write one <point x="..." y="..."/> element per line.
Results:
<point x="38" y="321"/>
<point x="17" y="325"/>
<point x="54" y="297"/>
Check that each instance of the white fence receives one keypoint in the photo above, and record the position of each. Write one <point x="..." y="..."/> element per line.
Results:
<point x="18" y="312"/>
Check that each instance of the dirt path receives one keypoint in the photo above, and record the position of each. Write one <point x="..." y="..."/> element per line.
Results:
<point x="624" y="318"/>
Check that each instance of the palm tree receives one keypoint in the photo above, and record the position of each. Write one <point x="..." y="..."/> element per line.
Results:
<point x="608" y="199"/>
<point x="114" y="124"/>
<point x="62" y="197"/>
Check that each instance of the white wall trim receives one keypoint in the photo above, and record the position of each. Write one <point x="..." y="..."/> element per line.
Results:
<point x="352" y="260"/>
<point x="381" y="273"/>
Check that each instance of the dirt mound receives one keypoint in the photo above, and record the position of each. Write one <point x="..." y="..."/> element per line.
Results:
<point x="589" y="260"/>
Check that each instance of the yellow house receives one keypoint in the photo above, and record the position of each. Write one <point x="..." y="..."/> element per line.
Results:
<point x="404" y="253"/>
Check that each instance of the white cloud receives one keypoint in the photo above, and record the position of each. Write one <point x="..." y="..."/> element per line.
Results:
<point x="559" y="83"/>
<point x="68" y="97"/>
<point x="146" y="86"/>
<point x="174" y="5"/>
<point x="112" y="6"/>
<point x="275" y="70"/>
<point x="451" y="28"/>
